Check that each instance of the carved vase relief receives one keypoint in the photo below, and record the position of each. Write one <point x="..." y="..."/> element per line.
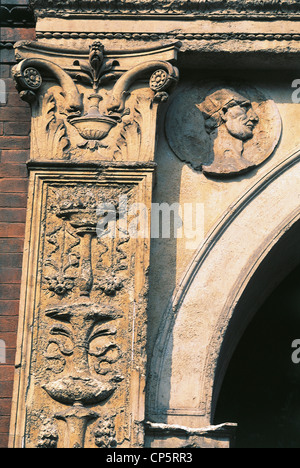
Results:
<point x="87" y="281"/>
<point x="234" y="129"/>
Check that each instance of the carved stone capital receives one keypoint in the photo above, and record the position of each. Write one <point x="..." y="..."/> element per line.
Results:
<point x="92" y="101"/>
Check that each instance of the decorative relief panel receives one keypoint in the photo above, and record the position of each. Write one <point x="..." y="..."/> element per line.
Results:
<point x="89" y="317"/>
<point x="224" y="129"/>
<point x="72" y="235"/>
<point x="128" y="139"/>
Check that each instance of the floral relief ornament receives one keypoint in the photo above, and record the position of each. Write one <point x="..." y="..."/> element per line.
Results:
<point x="109" y="284"/>
<point x="69" y="264"/>
<point x="78" y="333"/>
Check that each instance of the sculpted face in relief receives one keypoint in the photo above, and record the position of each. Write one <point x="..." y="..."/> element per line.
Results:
<point x="222" y="129"/>
<point x="230" y="121"/>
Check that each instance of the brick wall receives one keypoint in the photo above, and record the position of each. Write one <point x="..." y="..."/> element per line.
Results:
<point x="14" y="152"/>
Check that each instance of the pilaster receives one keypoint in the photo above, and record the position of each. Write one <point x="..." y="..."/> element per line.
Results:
<point x="81" y="361"/>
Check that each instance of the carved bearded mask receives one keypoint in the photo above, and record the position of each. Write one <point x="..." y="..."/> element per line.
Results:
<point x="227" y="107"/>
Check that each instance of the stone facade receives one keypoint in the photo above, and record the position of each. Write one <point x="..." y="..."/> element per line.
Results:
<point x="125" y="331"/>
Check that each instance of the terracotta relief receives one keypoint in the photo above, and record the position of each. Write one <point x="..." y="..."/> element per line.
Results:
<point x="82" y="344"/>
<point x="105" y="434"/>
<point x="82" y="350"/>
<point x="223" y="131"/>
<point x="212" y="8"/>
<point x="81" y="326"/>
<point x="48" y="436"/>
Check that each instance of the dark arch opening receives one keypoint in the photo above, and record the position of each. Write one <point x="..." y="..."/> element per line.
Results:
<point x="261" y="388"/>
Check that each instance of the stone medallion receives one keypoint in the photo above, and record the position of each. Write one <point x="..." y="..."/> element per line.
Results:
<point x="223" y="129"/>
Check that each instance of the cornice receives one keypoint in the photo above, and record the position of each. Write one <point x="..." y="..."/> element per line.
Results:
<point x="212" y="9"/>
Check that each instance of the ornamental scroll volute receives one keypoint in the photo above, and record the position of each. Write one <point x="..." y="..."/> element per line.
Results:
<point x="81" y="363"/>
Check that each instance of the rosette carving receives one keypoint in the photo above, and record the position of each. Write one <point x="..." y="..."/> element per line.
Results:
<point x="28" y="77"/>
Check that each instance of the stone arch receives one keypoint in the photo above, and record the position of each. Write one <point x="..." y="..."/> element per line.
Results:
<point x="280" y="256"/>
<point x="191" y="354"/>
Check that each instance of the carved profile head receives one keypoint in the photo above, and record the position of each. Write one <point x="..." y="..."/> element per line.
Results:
<point x="229" y="108"/>
<point x="221" y="128"/>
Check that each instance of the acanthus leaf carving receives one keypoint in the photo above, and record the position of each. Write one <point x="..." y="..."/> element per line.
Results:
<point x="57" y="141"/>
<point x="97" y="71"/>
